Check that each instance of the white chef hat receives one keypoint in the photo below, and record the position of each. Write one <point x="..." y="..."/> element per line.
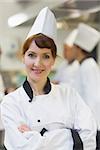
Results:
<point x="45" y="23"/>
<point x="87" y="37"/>
<point x="71" y="38"/>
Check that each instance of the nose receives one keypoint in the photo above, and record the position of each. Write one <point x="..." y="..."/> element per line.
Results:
<point x="38" y="61"/>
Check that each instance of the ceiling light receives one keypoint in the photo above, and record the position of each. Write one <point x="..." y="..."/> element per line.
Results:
<point x="17" y="19"/>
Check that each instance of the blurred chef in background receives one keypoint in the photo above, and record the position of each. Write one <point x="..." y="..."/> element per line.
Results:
<point x="87" y="80"/>
<point x="67" y="70"/>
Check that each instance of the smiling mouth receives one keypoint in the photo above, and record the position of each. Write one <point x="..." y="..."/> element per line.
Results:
<point x="37" y="71"/>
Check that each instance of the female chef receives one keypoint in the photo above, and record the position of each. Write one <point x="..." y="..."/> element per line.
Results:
<point x="39" y="115"/>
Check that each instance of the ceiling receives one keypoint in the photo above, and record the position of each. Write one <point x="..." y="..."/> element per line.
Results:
<point x="66" y="11"/>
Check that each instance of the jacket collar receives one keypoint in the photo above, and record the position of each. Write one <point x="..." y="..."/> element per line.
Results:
<point x="29" y="91"/>
<point x="84" y="59"/>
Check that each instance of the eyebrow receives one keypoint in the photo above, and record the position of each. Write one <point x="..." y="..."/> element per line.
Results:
<point x="36" y="53"/>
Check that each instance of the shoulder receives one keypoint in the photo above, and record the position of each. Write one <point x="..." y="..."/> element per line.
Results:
<point x="64" y="89"/>
<point x="88" y="62"/>
<point x="75" y="63"/>
<point x="89" y="66"/>
<point x="68" y="95"/>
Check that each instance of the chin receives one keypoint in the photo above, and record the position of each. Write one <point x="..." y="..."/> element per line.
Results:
<point x="36" y="79"/>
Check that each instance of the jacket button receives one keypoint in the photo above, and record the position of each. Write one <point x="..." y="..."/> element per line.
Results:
<point x="38" y="120"/>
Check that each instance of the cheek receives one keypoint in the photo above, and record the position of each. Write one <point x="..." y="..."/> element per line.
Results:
<point x="49" y="65"/>
<point x="27" y="61"/>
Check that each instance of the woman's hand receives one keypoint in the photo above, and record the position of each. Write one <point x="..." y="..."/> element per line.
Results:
<point x="23" y="128"/>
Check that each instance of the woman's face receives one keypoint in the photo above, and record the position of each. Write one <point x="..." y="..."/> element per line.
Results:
<point x="38" y="62"/>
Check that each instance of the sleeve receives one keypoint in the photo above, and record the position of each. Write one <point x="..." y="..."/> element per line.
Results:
<point x="58" y="74"/>
<point x="91" y="90"/>
<point x="15" y="140"/>
<point x="84" y="122"/>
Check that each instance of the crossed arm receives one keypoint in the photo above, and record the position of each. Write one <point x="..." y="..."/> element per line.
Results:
<point x="23" y="128"/>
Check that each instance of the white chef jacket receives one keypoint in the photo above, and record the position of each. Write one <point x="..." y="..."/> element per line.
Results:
<point x="66" y="72"/>
<point x="87" y="82"/>
<point x="58" y="111"/>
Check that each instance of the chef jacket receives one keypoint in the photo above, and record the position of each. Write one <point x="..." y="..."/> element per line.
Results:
<point x="66" y="72"/>
<point x="87" y="82"/>
<point x="58" y="111"/>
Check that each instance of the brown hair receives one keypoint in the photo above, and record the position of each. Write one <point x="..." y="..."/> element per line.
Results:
<point x="42" y="41"/>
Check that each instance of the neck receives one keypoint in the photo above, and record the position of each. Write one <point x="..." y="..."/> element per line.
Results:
<point x="37" y="87"/>
<point x="80" y="58"/>
<point x="80" y="55"/>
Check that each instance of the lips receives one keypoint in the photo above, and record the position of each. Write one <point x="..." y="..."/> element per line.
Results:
<point x="37" y="71"/>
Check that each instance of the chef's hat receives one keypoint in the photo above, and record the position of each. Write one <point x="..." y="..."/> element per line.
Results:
<point x="87" y="37"/>
<point x="71" y="38"/>
<point x="45" y="23"/>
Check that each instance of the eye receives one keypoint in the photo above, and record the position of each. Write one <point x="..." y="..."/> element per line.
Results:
<point x="32" y="55"/>
<point x="46" y="56"/>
